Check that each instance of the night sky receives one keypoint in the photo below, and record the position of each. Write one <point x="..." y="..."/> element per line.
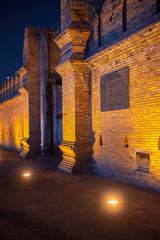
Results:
<point x="15" y="16"/>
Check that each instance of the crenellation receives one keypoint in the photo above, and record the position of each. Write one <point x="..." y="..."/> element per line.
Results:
<point x="10" y="86"/>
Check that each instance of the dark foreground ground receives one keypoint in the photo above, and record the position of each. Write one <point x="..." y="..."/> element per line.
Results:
<point x="52" y="205"/>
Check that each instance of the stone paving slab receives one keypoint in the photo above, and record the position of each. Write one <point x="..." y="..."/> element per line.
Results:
<point x="53" y="205"/>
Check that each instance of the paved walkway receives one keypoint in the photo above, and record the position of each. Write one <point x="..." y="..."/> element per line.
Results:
<point x="52" y="205"/>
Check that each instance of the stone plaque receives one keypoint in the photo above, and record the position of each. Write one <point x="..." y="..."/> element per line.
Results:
<point x="114" y="91"/>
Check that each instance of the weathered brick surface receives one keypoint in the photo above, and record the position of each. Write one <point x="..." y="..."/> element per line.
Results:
<point x="11" y="88"/>
<point x="31" y="50"/>
<point x="140" y="122"/>
<point x="115" y="135"/>
<point x="14" y="121"/>
<point x="54" y="52"/>
<point x="14" y="111"/>
<point x="66" y="14"/>
<point x="76" y="145"/>
<point x="139" y="14"/>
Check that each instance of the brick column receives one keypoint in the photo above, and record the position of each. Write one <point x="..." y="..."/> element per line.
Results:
<point x="76" y="144"/>
<point x="31" y="60"/>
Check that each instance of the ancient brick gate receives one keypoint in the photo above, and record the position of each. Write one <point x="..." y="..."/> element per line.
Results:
<point x="31" y="100"/>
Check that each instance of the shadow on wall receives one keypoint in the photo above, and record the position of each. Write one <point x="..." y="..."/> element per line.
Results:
<point x="92" y="133"/>
<point x="93" y="162"/>
<point x="116" y="35"/>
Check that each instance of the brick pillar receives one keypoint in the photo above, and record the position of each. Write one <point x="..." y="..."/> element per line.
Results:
<point x="76" y="144"/>
<point x="31" y="60"/>
<point x="40" y="55"/>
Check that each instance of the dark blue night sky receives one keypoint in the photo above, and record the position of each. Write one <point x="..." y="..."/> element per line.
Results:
<point x="15" y="16"/>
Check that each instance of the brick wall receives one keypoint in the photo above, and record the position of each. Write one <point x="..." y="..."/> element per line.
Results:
<point x="31" y="53"/>
<point x="66" y="14"/>
<point x="14" y="111"/>
<point x="39" y="66"/>
<point x="14" y="121"/>
<point x="139" y="14"/>
<point x="54" y="52"/>
<point x="72" y="40"/>
<point x="20" y="100"/>
<point x="139" y="123"/>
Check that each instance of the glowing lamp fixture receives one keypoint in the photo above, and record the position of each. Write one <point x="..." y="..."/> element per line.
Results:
<point x="113" y="201"/>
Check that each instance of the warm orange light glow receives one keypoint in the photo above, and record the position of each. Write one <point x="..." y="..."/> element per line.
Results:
<point x="113" y="201"/>
<point x="14" y="124"/>
<point x="27" y="174"/>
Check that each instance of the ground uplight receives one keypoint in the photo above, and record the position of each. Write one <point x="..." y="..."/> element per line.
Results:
<point x="113" y="201"/>
<point x="26" y="174"/>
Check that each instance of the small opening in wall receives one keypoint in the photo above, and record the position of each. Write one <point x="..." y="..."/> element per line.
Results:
<point x="101" y="140"/>
<point x="158" y="6"/>
<point x="159" y="143"/>
<point x="114" y="6"/>
<point x="124" y="16"/>
<point x="99" y="30"/>
<point x="126" y="142"/>
<point x="111" y="18"/>
<point x="143" y="161"/>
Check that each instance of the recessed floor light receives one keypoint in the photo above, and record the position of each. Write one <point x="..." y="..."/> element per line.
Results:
<point x="113" y="201"/>
<point x="26" y="174"/>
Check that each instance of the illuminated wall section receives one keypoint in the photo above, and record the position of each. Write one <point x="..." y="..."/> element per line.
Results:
<point x="121" y="134"/>
<point x="72" y="41"/>
<point x="14" y="121"/>
<point x="68" y="104"/>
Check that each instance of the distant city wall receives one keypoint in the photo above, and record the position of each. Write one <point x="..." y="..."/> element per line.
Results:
<point x="14" y="120"/>
<point x="14" y="112"/>
<point x="9" y="88"/>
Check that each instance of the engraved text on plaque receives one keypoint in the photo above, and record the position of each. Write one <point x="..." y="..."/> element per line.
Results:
<point x="114" y="91"/>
